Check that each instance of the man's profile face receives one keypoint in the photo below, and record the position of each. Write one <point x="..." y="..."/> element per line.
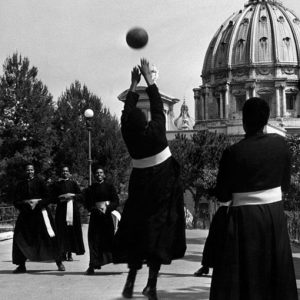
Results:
<point x="65" y="173"/>
<point x="30" y="171"/>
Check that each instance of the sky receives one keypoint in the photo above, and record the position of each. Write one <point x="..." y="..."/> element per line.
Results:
<point x="84" y="40"/>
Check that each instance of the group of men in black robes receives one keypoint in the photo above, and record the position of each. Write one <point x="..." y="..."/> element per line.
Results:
<point x="37" y="237"/>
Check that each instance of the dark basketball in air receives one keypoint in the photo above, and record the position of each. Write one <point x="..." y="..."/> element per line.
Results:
<point x="137" y="38"/>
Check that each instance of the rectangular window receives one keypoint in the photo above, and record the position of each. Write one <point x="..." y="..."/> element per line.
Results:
<point x="290" y="101"/>
<point x="240" y="101"/>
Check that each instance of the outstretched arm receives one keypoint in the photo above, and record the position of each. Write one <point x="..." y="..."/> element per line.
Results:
<point x="158" y="118"/>
<point x="146" y="72"/>
<point x="132" y="97"/>
<point x="135" y="79"/>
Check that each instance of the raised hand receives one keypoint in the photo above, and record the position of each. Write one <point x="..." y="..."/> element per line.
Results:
<point x="146" y="71"/>
<point x="135" y="78"/>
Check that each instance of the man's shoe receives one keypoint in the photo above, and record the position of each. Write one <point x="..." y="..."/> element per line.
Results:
<point x="69" y="257"/>
<point x="202" y="271"/>
<point x="60" y="266"/>
<point x="20" y="269"/>
<point x="90" y="271"/>
<point x="150" y="293"/>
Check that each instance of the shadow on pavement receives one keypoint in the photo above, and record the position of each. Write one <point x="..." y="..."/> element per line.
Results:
<point x="179" y="275"/>
<point x="193" y="241"/>
<point x="59" y="273"/>
<point x="195" y="258"/>
<point x="191" y="293"/>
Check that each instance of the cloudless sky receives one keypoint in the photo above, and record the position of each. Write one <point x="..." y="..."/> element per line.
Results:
<point x="84" y="40"/>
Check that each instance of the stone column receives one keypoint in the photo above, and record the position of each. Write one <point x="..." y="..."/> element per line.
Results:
<point x="247" y="94"/>
<point x="226" y="107"/>
<point x="277" y="101"/>
<point x="202" y="107"/>
<point x="254" y="92"/>
<point x="283" y="101"/>
<point x="221" y="105"/>
<point x="197" y="98"/>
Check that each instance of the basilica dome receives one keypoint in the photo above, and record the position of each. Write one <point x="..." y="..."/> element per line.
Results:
<point x="255" y="52"/>
<point x="263" y="34"/>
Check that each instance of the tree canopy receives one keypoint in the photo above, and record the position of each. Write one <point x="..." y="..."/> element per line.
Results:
<point x="26" y="109"/>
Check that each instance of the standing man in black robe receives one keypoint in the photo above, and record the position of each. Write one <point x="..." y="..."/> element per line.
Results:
<point x="34" y="236"/>
<point x="67" y="194"/>
<point x="255" y="262"/>
<point x="152" y="228"/>
<point x="101" y="199"/>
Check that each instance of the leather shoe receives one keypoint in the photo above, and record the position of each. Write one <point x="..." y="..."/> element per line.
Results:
<point x="20" y="269"/>
<point x="202" y="271"/>
<point x="90" y="271"/>
<point x="150" y="293"/>
<point x="60" y="267"/>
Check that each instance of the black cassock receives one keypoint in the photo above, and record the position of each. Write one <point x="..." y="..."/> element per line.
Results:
<point x="31" y="238"/>
<point x="152" y="228"/>
<point x="215" y="238"/>
<point x="255" y="261"/>
<point x="69" y="238"/>
<point x="101" y="226"/>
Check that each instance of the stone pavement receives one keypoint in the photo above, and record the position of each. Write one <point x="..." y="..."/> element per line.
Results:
<point x="43" y="281"/>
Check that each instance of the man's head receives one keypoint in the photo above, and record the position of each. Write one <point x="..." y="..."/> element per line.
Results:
<point x="29" y="170"/>
<point x="99" y="173"/>
<point x="137" y="120"/>
<point x="256" y="112"/>
<point x="65" y="172"/>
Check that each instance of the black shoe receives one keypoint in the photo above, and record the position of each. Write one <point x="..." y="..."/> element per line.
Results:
<point x="69" y="257"/>
<point x="150" y="293"/>
<point x="60" y="266"/>
<point x="20" y="269"/>
<point x="128" y="289"/>
<point x="89" y="271"/>
<point x="202" y="271"/>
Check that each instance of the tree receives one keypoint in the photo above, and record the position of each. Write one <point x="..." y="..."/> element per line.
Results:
<point x="199" y="159"/>
<point x="108" y="148"/>
<point x="26" y="110"/>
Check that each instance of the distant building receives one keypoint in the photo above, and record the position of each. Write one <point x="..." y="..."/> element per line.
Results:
<point x="144" y="105"/>
<point x="183" y="124"/>
<point x="255" y="52"/>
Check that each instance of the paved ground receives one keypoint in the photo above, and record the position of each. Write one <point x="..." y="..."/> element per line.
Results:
<point x="43" y="281"/>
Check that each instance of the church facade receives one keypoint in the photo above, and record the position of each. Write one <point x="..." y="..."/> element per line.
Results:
<point x="255" y="52"/>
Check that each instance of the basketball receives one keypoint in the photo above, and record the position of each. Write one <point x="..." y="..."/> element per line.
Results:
<point x="137" y="38"/>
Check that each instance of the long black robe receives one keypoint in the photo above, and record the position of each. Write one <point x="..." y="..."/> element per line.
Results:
<point x="256" y="261"/>
<point x="31" y="239"/>
<point x="69" y="238"/>
<point x="152" y="228"/>
<point x="101" y="226"/>
<point x="215" y="239"/>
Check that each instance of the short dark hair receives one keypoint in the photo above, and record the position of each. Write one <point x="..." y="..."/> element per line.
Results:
<point x="97" y="167"/>
<point x="256" y="112"/>
<point x="28" y="164"/>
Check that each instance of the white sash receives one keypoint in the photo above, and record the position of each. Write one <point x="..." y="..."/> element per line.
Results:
<point x="256" y="198"/>
<point x="47" y="223"/>
<point x="69" y="213"/>
<point x="116" y="216"/>
<point x="224" y="203"/>
<point x="152" y="160"/>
